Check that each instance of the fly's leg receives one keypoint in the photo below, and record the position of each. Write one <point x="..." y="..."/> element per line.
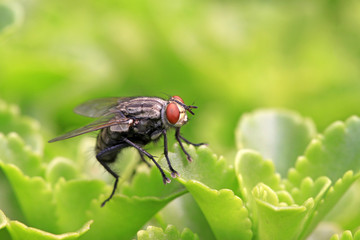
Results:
<point x="188" y="142"/>
<point x="143" y="158"/>
<point x="165" y="179"/>
<point x="179" y="138"/>
<point x="101" y="157"/>
<point x="173" y="172"/>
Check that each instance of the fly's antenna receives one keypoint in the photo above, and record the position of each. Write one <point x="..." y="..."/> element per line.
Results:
<point x="187" y="107"/>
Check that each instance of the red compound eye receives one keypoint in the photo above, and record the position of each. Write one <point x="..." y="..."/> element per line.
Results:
<point x="172" y="113"/>
<point x="178" y="98"/>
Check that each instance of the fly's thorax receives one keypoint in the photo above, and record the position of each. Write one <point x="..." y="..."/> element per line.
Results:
<point x="142" y="107"/>
<point x="173" y="114"/>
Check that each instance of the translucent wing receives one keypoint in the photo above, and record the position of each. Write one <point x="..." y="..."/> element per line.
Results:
<point x="103" y="122"/>
<point x="99" y="107"/>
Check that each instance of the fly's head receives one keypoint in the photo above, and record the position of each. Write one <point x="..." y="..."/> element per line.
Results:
<point x="174" y="114"/>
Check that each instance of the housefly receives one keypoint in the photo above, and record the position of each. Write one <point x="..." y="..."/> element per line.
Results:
<point x="132" y="122"/>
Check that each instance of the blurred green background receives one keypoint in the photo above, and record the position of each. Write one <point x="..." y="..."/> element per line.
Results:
<point x="227" y="57"/>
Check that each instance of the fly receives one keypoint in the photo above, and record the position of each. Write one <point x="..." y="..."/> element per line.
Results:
<point x="132" y="122"/>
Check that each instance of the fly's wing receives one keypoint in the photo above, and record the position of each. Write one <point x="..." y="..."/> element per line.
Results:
<point x="99" y="107"/>
<point x="103" y="122"/>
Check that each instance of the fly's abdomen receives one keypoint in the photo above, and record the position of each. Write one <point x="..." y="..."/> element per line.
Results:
<point x="105" y="140"/>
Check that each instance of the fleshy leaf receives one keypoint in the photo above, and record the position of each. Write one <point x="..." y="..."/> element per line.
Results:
<point x="73" y="200"/>
<point x="279" y="135"/>
<point x="124" y="215"/>
<point x="27" y="128"/>
<point x="19" y="231"/>
<point x="3" y="220"/>
<point x="335" y="155"/>
<point x="332" y="154"/>
<point x="330" y="199"/>
<point x="35" y="198"/>
<point x="13" y="150"/>
<point x="346" y="235"/>
<point x="184" y="212"/>
<point x="310" y="189"/>
<point x="60" y="168"/>
<point x="141" y="186"/>
<point x="201" y="176"/>
<point x="206" y="167"/>
<point x="4" y="234"/>
<point x="224" y="211"/>
<point x="278" y="205"/>
<point x="276" y="219"/>
<point x="252" y="169"/>
<point x="343" y="213"/>
<point x="170" y="233"/>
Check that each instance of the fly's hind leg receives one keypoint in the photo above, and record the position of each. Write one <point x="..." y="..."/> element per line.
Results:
<point x="179" y="138"/>
<point x="143" y="158"/>
<point x="104" y="161"/>
<point x="130" y="143"/>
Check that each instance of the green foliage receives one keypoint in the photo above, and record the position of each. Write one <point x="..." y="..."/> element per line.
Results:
<point x="170" y="233"/>
<point x="247" y="199"/>
<point x="283" y="180"/>
<point x="347" y="235"/>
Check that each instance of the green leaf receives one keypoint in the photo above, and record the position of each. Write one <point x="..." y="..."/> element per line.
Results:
<point x="201" y="176"/>
<point x="12" y="121"/>
<point x="184" y="212"/>
<point x="206" y="167"/>
<point x="61" y="168"/>
<point x="332" y="154"/>
<point x="346" y="235"/>
<point x="310" y="189"/>
<point x="13" y="150"/>
<point x="124" y="215"/>
<point x="3" y="220"/>
<point x="316" y="191"/>
<point x="276" y="219"/>
<point x="148" y="182"/>
<point x="279" y="135"/>
<point x="335" y="155"/>
<point x="224" y="211"/>
<point x="251" y="168"/>
<point x="35" y="197"/>
<point x="343" y="213"/>
<point x="73" y="200"/>
<point x="285" y="211"/>
<point x="170" y="233"/>
<point x="19" y="231"/>
<point x="329" y="200"/>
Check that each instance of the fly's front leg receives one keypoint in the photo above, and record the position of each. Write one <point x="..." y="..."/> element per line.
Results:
<point x="173" y="172"/>
<point x="179" y="138"/>
<point x="101" y="157"/>
<point x="165" y="179"/>
<point x="188" y="142"/>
